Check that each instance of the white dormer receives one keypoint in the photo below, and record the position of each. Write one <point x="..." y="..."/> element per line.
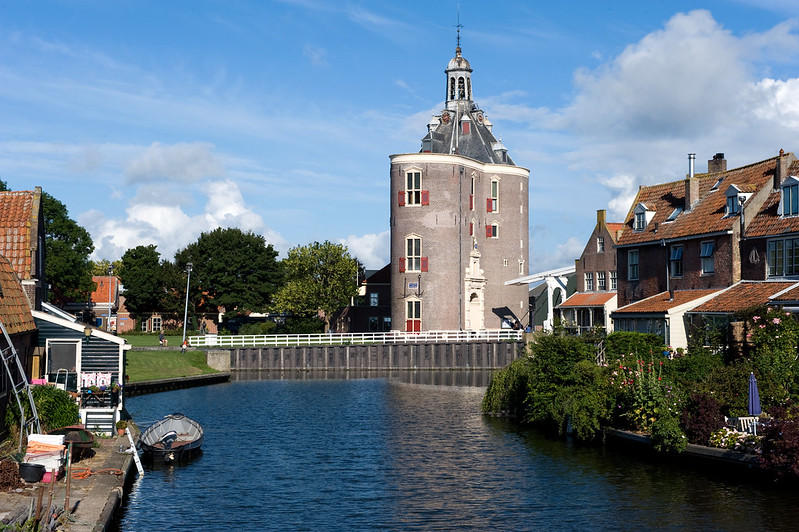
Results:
<point x="735" y="198"/>
<point x="642" y="217"/>
<point x="789" y="197"/>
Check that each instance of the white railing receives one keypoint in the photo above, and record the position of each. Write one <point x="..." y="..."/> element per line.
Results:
<point x="280" y="340"/>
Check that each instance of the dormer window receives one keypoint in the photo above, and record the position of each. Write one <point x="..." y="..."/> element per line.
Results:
<point x="674" y="214"/>
<point x="465" y="125"/>
<point x="735" y="198"/>
<point x="790" y="196"/>
<point x="642" y="217"/>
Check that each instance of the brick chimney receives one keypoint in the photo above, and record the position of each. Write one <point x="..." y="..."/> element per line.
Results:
<point x="781" y="171"/>
<point x="600" y="217"/>
<point x="717" y="164"/>
<point x="691" y="184"/>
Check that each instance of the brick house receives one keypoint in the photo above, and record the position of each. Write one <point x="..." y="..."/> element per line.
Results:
<point x="372" y="310"/>
<point x="22" y="240"/>
<point x="459" y="221"/>
<point x="596" y="277"/>
<point x="683" y="242"/>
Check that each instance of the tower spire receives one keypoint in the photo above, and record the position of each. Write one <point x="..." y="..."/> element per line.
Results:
<point x="459" y="26"/>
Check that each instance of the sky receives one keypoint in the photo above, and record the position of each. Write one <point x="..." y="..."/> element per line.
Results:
<point x="156" y="121"/>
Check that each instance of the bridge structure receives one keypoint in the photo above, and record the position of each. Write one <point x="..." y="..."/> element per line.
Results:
<point x="480" y="349"/>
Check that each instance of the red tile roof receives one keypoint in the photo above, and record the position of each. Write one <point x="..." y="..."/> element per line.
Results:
<point x="19" y="212"/>
<point x="787" y="296"/>
<point x="707" y="215"/>
<point x="15" y="310"/>
<point x="588" y="299"/>
<point x="768" y="221"/>
<point x="743" y="295"/>
<point x="100" y="294"/>
<point x="661" y="303"/>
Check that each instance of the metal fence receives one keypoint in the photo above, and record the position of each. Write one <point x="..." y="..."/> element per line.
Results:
<point x="285" y="340"/>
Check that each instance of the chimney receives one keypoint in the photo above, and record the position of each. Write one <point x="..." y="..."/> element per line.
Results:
<point x="717" y="164"/>
<point x="781" y="171"/>
<point x="691" y="184"/>
<point x="600" y="217"/>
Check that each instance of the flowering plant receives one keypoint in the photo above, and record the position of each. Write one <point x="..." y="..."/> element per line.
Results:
<point x="643" y="394"/>
<point x="743" y="442"/>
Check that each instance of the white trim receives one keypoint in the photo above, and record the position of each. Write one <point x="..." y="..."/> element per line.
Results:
<point x="449" y="159"/>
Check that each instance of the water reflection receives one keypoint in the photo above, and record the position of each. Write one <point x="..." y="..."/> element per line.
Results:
<point x="475" y="378"/>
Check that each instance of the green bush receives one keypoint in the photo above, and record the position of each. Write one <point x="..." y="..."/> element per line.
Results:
<point x="55" y="407"/>
<point x="667" y="436"/>
<point x="642" y="345"/>
<point x="508" y="388"/>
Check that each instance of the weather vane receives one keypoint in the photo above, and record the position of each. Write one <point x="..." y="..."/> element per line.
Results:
<point x="459" y="26"/>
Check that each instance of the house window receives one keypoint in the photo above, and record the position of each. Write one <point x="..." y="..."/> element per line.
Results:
<point x="492" y="203"/>
<point x="521" y="267"/>
<point x="413" y="315"/>
<point x="640" y="221"/>
<point x="413" y="254"/>
<point x="589" y="282"/>
<point x="675" y="261"/>
<point x="600" y="244"/>
<point x="706" y="257"/>
<point x="386" y="323"/>
<point x="613" y="284"/>
<point x="632" y="264"/>
<point x="156" y="323"/>
<point x="144" y="325"/>
<point x="601" y="283"/>
<point x="674" y="214"/>
<point x="373" y="299"/>
<point x="783" y="257"/>
<point x="413" y="188"/>
<point x="492" y="230"/>
<point x="790" y="196"/>
<point x="374" y="323"/>
<point x="471" y="195"/>
<point x="733" y="206"/>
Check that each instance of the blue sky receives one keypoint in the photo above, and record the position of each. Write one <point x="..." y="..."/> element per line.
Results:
<point x="155" y="121"/>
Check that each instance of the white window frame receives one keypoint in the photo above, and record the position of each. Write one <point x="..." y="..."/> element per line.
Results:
<point x="601" y="282"/>
<point x="675" y="260"/>
<point x="156" y="320"/>
<point x="413" y="187"/>
<point x="600" y="244"/>
<point x="614" y="283"/>
<point x="374" y="299"/>
<point x="782" y="257"/>
<point x="588" y="285"/>
<point x="493" y="194"/>
<point x="789" y="196"/>
<point x="413" y="253"/>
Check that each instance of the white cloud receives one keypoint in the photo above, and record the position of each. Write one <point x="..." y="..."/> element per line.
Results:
<point x="185" y="162"/>
<point x="373" y="249"/>
<point x="316" y="55"/>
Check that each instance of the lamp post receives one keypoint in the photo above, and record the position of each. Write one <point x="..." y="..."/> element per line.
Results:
<point x="186" y="308"/>
<point x="110" y="287"/>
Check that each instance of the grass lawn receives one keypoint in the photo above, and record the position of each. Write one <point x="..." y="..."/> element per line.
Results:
<point x="168" y="364"/>
<point x="151" y="340"/>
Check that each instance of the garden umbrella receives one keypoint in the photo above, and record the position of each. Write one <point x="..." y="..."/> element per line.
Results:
<point x="754" y="398"/>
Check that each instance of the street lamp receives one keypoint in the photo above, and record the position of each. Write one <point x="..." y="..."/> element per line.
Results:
<point x="110" y="285"/>
<point x="186" y="308"/>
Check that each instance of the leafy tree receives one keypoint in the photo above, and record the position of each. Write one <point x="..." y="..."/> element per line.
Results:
<point x="100" y="267"/>
<point x="320" y="278"/>
<point x="68" y="246"/>
<point x="231" y="268"/>
<point x="141" y="274"/>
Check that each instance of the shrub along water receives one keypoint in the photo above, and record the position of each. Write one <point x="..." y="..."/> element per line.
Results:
<point x="558" y="385"/>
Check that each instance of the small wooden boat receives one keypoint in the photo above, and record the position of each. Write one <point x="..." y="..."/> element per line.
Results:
<point x="174" y="438"/>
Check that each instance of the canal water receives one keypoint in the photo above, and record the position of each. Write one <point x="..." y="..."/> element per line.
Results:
<point x="413" y="452"/>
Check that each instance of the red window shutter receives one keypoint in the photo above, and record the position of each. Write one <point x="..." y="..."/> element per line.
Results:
<point x="401" y="198"/>
<point x="489" y="205"/>
<point x="408" y="325"/>
<point x="417" y="325"/>
<point x="402" y="264"/>
<point x="471" y="202"/>
<point x="471" y="229"/>
<point x="424" y="264"/>
<point x="465" y="127"/>
<point x="425" y="197"/>
<point x="488" y="231"/>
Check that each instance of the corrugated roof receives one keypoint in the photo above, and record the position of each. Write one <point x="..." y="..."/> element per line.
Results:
<point x="15" y="310"/>
<point x="743" y="295"/>
<point x="663" y="302"/>
<point x="707" y="215"/>
<point x="588" y="299"/>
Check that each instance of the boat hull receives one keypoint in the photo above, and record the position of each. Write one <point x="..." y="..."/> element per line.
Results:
<point x="172" y="439"/>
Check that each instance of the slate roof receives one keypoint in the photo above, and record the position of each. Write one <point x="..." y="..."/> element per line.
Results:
<point x="743" y="295"/>
<point x="19" y="212"/>
<point x="662" y="302"/>
<point x="707" y="215"/>
<point x="15" y="310"/>
<point x="588" y="299"/>
<point x="479" y="144"/>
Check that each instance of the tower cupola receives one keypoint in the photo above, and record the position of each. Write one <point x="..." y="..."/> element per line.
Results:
<point x="459" y="82"/>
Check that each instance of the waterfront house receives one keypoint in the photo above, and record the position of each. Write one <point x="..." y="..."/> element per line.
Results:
<point x="590" y="306"/>
<point x="22" y="240"/>
<point x="371" y="310"/>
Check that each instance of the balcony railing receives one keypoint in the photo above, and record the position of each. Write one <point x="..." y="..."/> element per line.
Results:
<point x="287" y="340"/>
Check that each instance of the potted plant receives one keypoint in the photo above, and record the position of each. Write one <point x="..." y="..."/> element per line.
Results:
<point x="121" y="426"/>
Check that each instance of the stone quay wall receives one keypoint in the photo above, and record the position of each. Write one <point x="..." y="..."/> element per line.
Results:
<point x="461" y="355"/>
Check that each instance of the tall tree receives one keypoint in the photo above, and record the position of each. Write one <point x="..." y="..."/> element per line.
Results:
<point x="320" y="277"/>
<point x="100" y="267"/>
<point x="231" y="268"/>
<point x="141" y="274"/>
<point x="68" y="246"/>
